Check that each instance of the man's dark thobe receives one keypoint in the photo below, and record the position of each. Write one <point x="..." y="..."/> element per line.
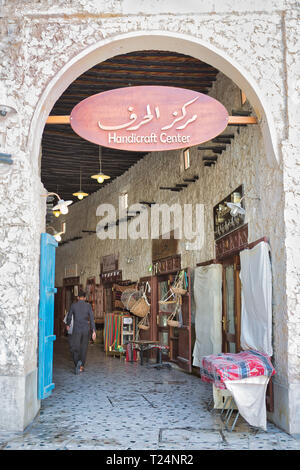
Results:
<point x="83" y="319"/>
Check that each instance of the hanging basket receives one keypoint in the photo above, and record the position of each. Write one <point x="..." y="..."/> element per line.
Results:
<point x="140" y="308"/>
<point x="178" y="290"/>
<point x="177" y="287"/>
<point x="129" y="298"/>
<point x="172" y="319"/>
<point x="173" y="323"/>
<point x="144" y="323"/>
<point x="167" y="306"/>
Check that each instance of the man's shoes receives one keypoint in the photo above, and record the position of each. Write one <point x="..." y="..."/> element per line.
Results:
<point x="77" y="368"/>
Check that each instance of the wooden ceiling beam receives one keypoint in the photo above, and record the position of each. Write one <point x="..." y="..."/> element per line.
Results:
<point x="167" y="69"/>
<point x="115" y="158"/>
<point x="232" y="120"/>
<point x="141" y="78"/>
<point x="152" y="60"/>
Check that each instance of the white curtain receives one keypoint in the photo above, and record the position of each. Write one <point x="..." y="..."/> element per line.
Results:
<point x="256" y="316"/>
<point x="208" y="311"/>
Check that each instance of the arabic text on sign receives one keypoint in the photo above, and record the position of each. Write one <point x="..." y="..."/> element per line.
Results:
<point x="149" y="116"/>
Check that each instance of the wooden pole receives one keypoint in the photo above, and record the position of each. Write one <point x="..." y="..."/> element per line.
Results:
<point x="232" y="120"/>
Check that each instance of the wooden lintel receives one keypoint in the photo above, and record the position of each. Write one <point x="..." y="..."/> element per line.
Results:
<point x="231" y="120"/>
<point x="242" y="120"/>
<point x="58" y="120"/>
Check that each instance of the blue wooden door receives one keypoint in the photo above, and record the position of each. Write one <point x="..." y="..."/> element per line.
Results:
<point x="46" y="315"/>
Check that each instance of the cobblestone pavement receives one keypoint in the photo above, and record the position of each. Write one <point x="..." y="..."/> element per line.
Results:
<point x="115" y="405"/>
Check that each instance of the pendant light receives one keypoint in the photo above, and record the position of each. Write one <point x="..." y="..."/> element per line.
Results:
<point x="80" y="194"/>
<point x="101" y="176"/>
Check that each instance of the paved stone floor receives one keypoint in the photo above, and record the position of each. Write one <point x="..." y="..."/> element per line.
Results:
<point x="115" y="405"/>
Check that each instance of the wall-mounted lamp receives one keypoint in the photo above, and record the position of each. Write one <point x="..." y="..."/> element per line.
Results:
<point x="236" y="208"/>
<point x="61" y="205"/>
<point x="57" y="235"/>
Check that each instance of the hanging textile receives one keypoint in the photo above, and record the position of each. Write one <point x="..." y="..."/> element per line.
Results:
<point x="256" y="316"/>
<point x="208" y="311"/>
<point x="112" y="328"/>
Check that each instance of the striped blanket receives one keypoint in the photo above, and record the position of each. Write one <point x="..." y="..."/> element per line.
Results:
<point x="226" y="366"/>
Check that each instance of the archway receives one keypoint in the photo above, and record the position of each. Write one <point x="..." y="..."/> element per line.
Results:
<point x="130" y="43"/>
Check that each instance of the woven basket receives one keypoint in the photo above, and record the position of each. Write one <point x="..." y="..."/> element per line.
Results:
<point x="140" y="308"/>
<point x="173" y="323"/>
<point x="129" y="298"/>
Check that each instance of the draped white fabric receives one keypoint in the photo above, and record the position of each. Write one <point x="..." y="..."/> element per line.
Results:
<point x="208" y="316"/>
<point x="256" y="316"/>
<point x="250" y="397"/>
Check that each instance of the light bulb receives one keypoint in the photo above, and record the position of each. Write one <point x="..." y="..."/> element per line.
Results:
<point x="80" y="196"/>
<point x="64" y="209"/>
<point x="57" y="237"/>
<point x="56" y="213"/>
<point x="100" y="179"/>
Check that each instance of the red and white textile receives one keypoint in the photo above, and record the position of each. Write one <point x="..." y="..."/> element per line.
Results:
<point x="219" y="368"/>
<point x="246" y="376"/>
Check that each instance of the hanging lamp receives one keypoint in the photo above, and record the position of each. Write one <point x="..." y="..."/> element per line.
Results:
<point x="80" y="194"/>
<point x="61" y="205"/>
<point x="101" y="176"/>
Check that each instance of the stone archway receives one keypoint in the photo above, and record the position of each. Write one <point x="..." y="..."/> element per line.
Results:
<point x="130" y="42"/>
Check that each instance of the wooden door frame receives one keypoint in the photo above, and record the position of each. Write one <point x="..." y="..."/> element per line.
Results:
<point x="159" y="277"/>
<point x="235" y="261"/>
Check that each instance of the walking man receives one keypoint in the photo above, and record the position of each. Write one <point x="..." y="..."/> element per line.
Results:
<point x="83" y="319"/>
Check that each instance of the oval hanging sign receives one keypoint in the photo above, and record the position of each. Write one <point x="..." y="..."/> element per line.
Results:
<point x="149" y="118"/>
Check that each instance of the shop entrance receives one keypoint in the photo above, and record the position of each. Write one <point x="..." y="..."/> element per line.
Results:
<point x="105" y="283"/>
